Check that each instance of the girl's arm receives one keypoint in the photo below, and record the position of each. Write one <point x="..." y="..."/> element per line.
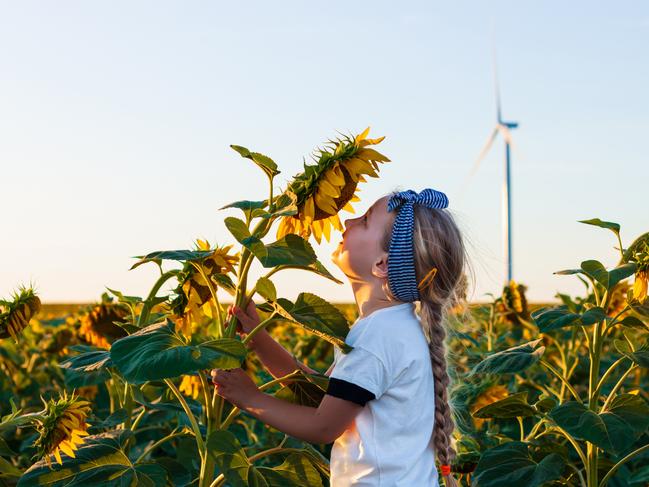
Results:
<point x="316" y="425"/>
<point x="277" y="360"/>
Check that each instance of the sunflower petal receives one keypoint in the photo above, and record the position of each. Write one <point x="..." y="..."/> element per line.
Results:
<point x="362" y="135"/>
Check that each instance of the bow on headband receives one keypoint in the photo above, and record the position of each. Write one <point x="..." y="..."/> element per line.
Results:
<point x="401" y="259"/>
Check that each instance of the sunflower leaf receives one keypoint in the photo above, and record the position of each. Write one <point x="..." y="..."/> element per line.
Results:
<point x="158" y="352"/>
<point x="317" y="316"/>
<point x="512" y="464"/>
<point x="178" y="255"/>
<point x="264" y="162"/>
<point x="101" y="460"/>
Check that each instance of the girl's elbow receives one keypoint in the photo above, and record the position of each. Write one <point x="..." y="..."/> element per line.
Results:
<point x="328" y="434"/>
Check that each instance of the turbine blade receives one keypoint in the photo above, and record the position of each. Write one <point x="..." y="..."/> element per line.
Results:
<point x="495" y="74"/>
<point x="476" y="164"/>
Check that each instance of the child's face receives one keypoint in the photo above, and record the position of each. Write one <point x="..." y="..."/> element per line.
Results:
<point x="359" y="255"/>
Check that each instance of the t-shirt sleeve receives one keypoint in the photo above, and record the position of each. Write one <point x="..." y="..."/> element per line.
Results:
<point x="358" y="376"/>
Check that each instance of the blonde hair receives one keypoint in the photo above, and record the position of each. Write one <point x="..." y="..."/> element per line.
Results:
<point x="438" y="244"/>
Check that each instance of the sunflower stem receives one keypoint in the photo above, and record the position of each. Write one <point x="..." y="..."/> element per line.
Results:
<point x="146" y="308"/>
<point x="192" y="419"/>
<point x="210" y="286"/>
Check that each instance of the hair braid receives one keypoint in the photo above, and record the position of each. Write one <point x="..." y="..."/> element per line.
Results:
<point x="435" y="333"/>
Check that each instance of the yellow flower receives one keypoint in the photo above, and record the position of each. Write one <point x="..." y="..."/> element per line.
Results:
<point x="17" y="313"/>
<point x="488" y="396"/>
<point x="62" y="427"/>
<point x="97" y="325"/>
<point x="193" y="292"/>
<point x="640" y="285"/>
<point x="191" y="385"/>
<point x="328" y="187"/>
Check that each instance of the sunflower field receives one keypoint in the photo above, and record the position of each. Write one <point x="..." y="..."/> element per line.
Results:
<point x="117" y="392"/>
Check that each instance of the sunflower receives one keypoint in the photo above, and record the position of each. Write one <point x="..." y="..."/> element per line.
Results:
<point x="62" y="427"/>
<point x="640" y="285"/>
<point x="97" y="325"/>
<point x="191" y="386"/>
<point x="328" y="187"/>
<point x="193" y="292"/>
<point x="16" y="313"/>
<point x="488" y="396"/>
<point x="513" y="303"/>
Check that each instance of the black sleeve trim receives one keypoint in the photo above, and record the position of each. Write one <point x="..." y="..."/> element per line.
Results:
<point x="349" y="391"/>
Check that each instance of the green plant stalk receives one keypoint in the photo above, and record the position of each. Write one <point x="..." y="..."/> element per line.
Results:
<point x="608" y="372"/>
<point x="574" y="443"/>
<point x="128" y="405"/>
<point x="146" y="308"/>
<point x="190" y="415"/>
<point x="617" y="386"/>
<point x="170" y="436"/>
<point x="206" y="397"/>
<point x="210" y="286"/>
<point x="520" y="424"/>
<point x="259" y="327"/>
<point x="138" y="419"/>
<point x="612" y="471"/>
<point x="562" y="379"/>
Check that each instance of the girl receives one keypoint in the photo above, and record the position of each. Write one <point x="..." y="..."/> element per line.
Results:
<point x="386" y="407"/>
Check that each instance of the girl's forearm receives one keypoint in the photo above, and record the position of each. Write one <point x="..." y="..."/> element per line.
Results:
<point x="301" y="422"/>
<point x="275" y="358"/>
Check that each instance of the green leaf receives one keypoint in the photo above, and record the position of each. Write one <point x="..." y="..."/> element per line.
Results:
<point x="626" y="418"/>
<point x="512" y="464"/>
<point x="552" y="318"/>
<point x="306" y="389"/>
<point x="158" y="352"/>
<point x="125" y="299"/>
<point x="512" y="360"/>
<point x="633" y="322"/>
<point x="92" y="358"/>
<point x="266" y="289"/>
<point x="230" y="458"/>
<point x="232" y="461"/>
<point x="614" y="227"/>
<point x="264" y="162"/>
<point x="100" y="460"/>
<point x="512" y="406"/>
<point x="597" y="271"/>
<point x="296" y="471"/>
<point x="639" y="356"/>
<point x="290" y="249"/>
<point x="568" y="272"/>
<point x="249" y="208"/>
<point x="8" y="470"/>
<point x="317" y="316"/>
<point x="177" y="255"/>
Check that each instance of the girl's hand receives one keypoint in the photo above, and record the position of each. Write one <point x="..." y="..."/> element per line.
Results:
<point x="235" y="386"/>
<point x="246" y="320"/>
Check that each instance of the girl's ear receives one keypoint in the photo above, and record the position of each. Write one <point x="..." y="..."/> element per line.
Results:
<point x="380" y="267"/>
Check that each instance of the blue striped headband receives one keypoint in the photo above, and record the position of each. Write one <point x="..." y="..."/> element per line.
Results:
<point x="401" y="259"/>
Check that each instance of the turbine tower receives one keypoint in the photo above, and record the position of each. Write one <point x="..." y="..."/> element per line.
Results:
<point x="503" y="127"/>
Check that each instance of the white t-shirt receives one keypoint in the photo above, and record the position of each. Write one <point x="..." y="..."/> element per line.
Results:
<point x="390" y="442"/>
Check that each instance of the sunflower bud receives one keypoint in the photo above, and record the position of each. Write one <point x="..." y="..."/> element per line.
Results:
<point x="17" y="313"/>
<point x="62" y="427"/>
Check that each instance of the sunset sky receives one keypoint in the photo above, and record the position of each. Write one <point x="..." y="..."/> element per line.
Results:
<point x="116" y="120"/>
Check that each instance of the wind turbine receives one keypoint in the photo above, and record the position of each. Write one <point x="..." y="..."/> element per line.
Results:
<point x="503" y="127"/>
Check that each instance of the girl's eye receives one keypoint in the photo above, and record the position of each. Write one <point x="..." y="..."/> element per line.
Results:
<point x="365" y="219"/>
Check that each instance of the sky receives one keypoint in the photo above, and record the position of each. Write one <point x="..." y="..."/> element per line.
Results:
<point x="116" y="120"/>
